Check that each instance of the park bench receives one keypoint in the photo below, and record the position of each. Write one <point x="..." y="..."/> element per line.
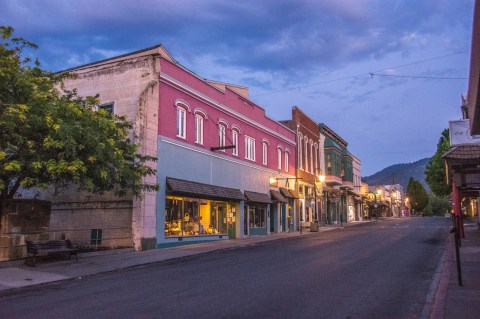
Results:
<point x="49" y="247"/>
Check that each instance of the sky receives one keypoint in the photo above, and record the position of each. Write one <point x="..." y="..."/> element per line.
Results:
<point x="385" y="75"/>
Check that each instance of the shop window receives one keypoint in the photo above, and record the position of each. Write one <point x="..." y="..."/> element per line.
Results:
<point x="256" y="216"/>
<point x="193" y="217"/>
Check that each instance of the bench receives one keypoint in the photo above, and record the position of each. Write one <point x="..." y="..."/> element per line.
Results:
<point x="50" y="247"/>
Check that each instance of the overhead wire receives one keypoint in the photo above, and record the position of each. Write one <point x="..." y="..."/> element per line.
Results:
<point x="371" y="74"/>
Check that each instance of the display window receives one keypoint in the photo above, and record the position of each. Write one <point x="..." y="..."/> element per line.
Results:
<point x="193" y="217"/>
<point x="257" y="216"/>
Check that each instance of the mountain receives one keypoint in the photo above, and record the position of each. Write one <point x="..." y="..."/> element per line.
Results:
<point x="400" y="174"/>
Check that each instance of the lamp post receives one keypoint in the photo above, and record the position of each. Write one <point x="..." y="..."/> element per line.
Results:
<point x="379" y="193"/>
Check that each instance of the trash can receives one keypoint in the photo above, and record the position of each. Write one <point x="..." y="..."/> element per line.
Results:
<point x="313" y="226"/>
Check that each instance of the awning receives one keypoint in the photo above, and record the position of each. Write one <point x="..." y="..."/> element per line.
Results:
<point x="193" y="189"/>
<point x="294" y="193"/>
<point x="284" y="191"/>
<point x="277" y="197"/>
<point x="257" y="197"/>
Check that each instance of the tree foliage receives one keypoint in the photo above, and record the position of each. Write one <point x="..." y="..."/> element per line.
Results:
<point x="52" y="137"/>
<point x="435" y="171"/>
<point x="438" y="205"/>
<point x="418" y="196"/>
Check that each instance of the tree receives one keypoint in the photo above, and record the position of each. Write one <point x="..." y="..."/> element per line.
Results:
<point x="52" y="137"/>
<point x="417" y="195"/>
<point x="438" y="205"/>
<point x="435" y="171"/>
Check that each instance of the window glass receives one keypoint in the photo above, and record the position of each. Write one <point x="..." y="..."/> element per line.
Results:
<point x="256" y="216"/>
<point x="279" y="158"/>
<point x="249" y="148"/>
<point x="286" y="161"/>
<point x="221" y="136"/>
<point x="108" y="107"/>
<point x="181" y="122"/>
<point x="265" y="153"/>
<point x="235" y="142"/>
<point x="199" y="129"/>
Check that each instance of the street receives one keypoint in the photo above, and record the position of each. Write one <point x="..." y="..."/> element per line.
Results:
<point x="375" y="270"/>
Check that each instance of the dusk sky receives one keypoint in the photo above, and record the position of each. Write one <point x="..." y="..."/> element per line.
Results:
<point x="315" y="54"/>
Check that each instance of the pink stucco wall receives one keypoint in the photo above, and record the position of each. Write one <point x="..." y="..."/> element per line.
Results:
<point x="178" y="83"/>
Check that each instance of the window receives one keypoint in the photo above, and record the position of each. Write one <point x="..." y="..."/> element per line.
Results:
<point x="198" y="129"/>
<point x="279" y="158"/>
<point x="249" y="148"/>
<point x="300" y="153"/>
<point x="311" y="157"/>
<point x="265" y="153"/>
<point x="343" y="170"/>
<point x="316" y="159"/>
<point x="256" y="216"/>
<point x="181" y="122"/>
<point x="221" y="136"/>
<point x="235" y="142"/>
<point x="329" y="163"/>
<point x="306" y="154"/>
<point x="286" y="161"/>
<point x="108" y="107"/>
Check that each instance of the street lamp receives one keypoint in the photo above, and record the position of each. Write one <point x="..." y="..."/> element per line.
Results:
<point x="321" y="179"/>
<point x="379" y="192"/>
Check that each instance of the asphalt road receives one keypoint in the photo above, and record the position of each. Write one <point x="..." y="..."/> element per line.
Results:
<point x="374" y="270"/>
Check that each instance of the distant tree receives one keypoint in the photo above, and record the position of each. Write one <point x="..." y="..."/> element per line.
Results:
<point x="438" y="205"/>
<point x="52" y="138"/>
<point x="435" y="171"/>
<point x="417" y="195"/>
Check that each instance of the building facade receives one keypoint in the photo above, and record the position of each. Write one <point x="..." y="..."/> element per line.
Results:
<point x="217" y="151"/>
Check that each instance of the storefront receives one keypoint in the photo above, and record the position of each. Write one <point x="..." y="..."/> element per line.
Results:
<point x="257" y="213"/>
<point x="278" y="212"/>
<point x="290" y="196"/>
<point x="196" y="210"/>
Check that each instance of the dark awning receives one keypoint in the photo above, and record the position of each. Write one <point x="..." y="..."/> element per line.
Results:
<point x="277" y="197"/>
<point x="294" y="193"/>
<point x="257" y="197"/>
<point x="194" y="189"/>
<point x="285" y="192"/>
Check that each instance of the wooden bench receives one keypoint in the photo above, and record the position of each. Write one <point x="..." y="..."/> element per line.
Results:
<point x="49" y="247"/>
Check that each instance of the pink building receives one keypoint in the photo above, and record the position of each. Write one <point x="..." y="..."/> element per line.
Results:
<point x="217" y="151"/>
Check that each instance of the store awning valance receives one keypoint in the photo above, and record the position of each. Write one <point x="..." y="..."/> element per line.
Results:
<point x="193" y="189"/>
<point x="294" y="193"/>
<point x="277" y="197"/>
<point x="285" y="193"/>
<point x="257" y="197"/>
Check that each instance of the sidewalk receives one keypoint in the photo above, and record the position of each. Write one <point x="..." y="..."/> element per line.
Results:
<point x="451" y="300"/>
<point x="14" y="274"/>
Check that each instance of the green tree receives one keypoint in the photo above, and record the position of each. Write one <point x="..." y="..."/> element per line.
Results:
<point x="52" y="137"/>
<point x="435" y="171"/>
<point x="438" y="205"/>
<point x="417" y="195"/>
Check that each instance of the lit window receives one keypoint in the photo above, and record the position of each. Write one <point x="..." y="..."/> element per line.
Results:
<point x="181" y="122"/>
<point x="265" y="153"/>
<point x="249" y="148"/>
<point x="329" y="163"/>
<point x="198" y="129"/>
<point x="235" y="142"/>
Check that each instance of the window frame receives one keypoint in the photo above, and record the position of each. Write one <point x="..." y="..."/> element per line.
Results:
<point x="181" y="122"/>
<point x="199" y="128"/>
<point x="250" y="148"/>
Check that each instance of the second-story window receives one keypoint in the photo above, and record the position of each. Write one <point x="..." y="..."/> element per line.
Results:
<point x="329" y="163"/>
<point x="221" y="136"/>
<point x="249" y="148"/>
<point x="287" y="155"/>
<point x="265" y="153"/>
<point x="235" y="142"/>
<point x="279" y="158"/>
<point x="343" y="170"/>
<point x="181" y="122"/>
<point x="306" y="154"/>
<point x="107" y="107"/>
<point x="300" y="152"/>
<point x="198" y="129"/>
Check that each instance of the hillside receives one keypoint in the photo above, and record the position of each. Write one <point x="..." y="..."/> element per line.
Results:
<point x="400" y="174"/>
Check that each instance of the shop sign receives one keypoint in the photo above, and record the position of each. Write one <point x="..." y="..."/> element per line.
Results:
<point x="460" y="133"/>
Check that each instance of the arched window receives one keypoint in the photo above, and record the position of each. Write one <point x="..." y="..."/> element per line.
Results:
<point x="199" y="129"/>
<point x="235" y="142"/>
<point x="306" y="153"/>
<point x="265" y="153"/>
<point x="287" y="164"/>
<point x="300" y="151"/>
<point x="221" y="136"/>
<point x="181" y="122"/>
<point x="279" y="157"/>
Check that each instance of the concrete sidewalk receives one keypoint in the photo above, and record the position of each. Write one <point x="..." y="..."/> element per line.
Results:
<point x="14" y="274"/>
<point x="449" y="300"/>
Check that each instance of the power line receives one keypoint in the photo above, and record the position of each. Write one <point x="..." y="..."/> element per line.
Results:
<point x="416" y="77"/>
<point x="369" y="73"/>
